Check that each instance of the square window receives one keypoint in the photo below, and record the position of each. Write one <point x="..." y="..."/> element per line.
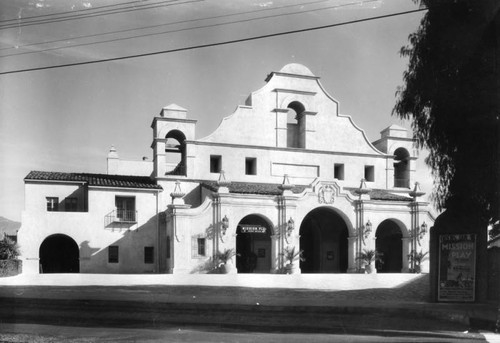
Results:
<point x="215" y="163"/>
<point x="338" y="171"/>
<point x="370" y="173"/>
<point x="250" y="166"/>
<point x="70" y="204"/>
<point x="149" y="255"/>
<point x="52" y="204"/>
<point x="113" y="254"/>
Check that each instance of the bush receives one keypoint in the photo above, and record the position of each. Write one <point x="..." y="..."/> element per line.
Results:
<point x="9" y="250"/>
<point x="10" y="267"/>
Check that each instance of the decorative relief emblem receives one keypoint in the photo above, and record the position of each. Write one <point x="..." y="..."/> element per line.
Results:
<point x="326" y="195"/>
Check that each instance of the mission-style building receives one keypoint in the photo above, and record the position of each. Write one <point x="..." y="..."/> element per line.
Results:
<point x="284" y="170"/>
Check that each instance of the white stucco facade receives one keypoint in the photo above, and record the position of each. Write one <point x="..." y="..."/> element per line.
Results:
<point x="284" y="170"/>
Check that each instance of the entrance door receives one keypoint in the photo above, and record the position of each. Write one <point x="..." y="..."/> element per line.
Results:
<point x="323" y="238"/>
<point x="389" y="244"/>
<point x="253" y="245"/>
<point x="59" y="254"/>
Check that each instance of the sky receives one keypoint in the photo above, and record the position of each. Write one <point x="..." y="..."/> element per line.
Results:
<point x="66" y="119"/>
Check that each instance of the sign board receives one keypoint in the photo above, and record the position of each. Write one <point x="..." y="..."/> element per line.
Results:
<point x="252" y="229"/>
<point x="457" y="267"/>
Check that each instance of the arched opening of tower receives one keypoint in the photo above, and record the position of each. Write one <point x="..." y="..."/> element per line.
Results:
<point x="295" y="126"/>
<point x="253" y="245"/>
<point x="59" y="254"/>
<point x="401" y="168"/>
<point x="323" y="238"/>
<point x="389" y="244"/>
<point x="175" y="153"/>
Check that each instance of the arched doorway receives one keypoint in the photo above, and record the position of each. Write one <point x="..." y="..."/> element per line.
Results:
<point x="323" y="237"/>
<point x="389" y="244"/>
<point x="59" y="254"/>
<point x="253" y="245"/>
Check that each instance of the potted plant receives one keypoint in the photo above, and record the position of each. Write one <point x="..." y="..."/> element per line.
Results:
<point x="222" y="259"/>
<point x="416" y="258"/>
<point x="367" y="257"/>
<point x="9" y="251"/>
<point x="290" y="256"/>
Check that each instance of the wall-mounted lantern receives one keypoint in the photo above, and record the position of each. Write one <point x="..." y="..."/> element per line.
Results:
<point x="290" y="226"/>
<point x="224" y="226"/>
<point x="419" y="232"/>
<point x="365" y="230"/>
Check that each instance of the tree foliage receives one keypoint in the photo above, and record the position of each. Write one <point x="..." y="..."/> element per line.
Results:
<point x="450" y="94"/>
<point x="9" y="249"/>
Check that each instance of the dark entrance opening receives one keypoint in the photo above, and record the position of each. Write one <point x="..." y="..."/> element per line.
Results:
<point x="59" y="254"/>
<point x="390" y="246"/>
<point x="323" y="237"/>
<point x="253" y="245"/>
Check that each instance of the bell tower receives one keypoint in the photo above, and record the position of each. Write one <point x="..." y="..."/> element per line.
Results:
<point x="171" y="131"/>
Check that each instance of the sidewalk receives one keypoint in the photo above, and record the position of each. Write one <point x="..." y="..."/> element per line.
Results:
<point x="398" y="295"/>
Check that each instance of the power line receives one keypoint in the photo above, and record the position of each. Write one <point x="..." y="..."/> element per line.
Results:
<point x="214" y="44"/>
<point x="98" y="14"/>
<point x="186" y="29"/>
<point x="169" y="24"/>
<point x="72" y="11"/>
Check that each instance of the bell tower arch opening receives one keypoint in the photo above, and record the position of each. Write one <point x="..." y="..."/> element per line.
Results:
<point x="323" y="238"/>
<point x="401" y="168"/>
<point x="389" y="243"/>
<point x="295" y="126"/>
<point x="253" y="245"/>
<point x="175" y="153"/>
<point x="59" y="254"/>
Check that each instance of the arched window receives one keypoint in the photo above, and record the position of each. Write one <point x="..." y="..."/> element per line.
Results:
<point x="175" y="153"/>
<point x="401" y="168"/>
<point x="295" y="126"/>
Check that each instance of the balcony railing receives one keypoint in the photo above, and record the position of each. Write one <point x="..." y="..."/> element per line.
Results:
<point x="120" y="216"/>
<point x="402" y="183"/>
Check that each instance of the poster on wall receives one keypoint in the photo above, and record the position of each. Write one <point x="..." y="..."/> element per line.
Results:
<point x="457" y="267"/>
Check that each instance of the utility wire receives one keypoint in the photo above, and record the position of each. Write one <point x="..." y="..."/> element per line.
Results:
<point x="72" y="11"/>
<point x="169" y="24"/>
<point x="215" y="44"/>
<point x="186" y="29"/>
<point x="98" y="14"/>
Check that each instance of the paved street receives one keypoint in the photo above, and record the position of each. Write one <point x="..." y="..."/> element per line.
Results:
<point x="231" y="308"/>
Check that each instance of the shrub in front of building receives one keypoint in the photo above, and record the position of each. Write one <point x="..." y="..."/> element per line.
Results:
<point x="9" y="264"/>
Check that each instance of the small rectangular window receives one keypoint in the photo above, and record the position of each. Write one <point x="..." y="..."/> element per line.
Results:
<point x="215" y="163"/>
<point x="201" y="247"/>
<point x="149" y="255"/>
<point x="338" y="171"/>
<point x="370" y="173"/>
<point x="125" y="209"/>
<point x="70" y="204"/>
<point x="113" y="254"/>
<point x="52" y="204"/>
<point x="250" y="166"/>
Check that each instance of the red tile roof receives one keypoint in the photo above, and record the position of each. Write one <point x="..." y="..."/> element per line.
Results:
<point x="252" y="188"/>
<point x="382" y="194"/>
<point x="102" y="180"/>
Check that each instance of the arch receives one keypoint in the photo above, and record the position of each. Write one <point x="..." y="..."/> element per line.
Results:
<point x="175" y="152"/>
<point x="295" y="126"/>
<point x="253" y="244"/>
<point x="389" y="243"/>
<point x="401" y="168"/>
<point x="59" y="254"/>
<point x="324" y="239"/>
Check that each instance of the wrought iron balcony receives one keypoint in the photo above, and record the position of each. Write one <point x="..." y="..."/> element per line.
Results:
<point x="120" y="216"/>
<point x="402" y="183"/>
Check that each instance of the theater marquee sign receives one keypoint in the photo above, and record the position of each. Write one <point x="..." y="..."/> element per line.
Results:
<point x="457" y="267"/>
